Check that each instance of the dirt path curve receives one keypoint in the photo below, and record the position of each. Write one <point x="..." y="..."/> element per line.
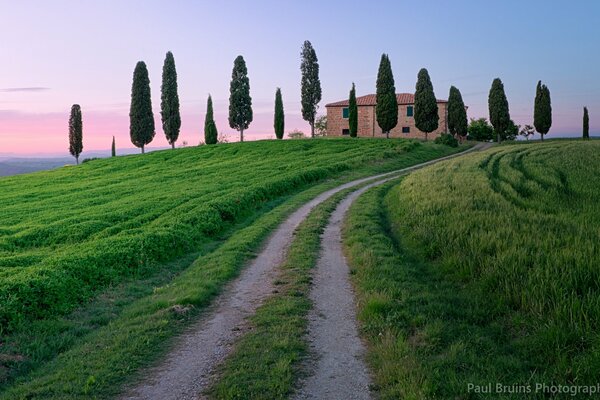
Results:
<point x="339" y="371"/>
<point x="186" y="370"/>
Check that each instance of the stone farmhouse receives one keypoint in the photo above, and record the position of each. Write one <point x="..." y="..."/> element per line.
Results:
<point x="337" y="118"/>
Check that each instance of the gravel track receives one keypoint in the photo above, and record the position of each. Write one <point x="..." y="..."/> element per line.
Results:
<point x="186" y="371"/>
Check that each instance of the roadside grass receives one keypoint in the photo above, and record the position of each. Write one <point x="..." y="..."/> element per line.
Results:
<point x="132" y="327"/>
<point x="265" y="363"/>
<point x="482" y="270"/>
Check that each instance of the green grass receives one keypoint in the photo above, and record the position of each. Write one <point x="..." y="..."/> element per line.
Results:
<point x="91" y="351"/>
<point x="482" y="269"/>
<point x="66" y="233"/>
<point x="265" y="363"/>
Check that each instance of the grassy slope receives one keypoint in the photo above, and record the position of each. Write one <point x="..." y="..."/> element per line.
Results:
<point x="127" y="323"/>
<point x="66" y="233"/>
<point x="482" y="269"/>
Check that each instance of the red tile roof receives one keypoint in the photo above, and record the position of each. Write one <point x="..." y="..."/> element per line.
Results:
<point x="370" y="100"/>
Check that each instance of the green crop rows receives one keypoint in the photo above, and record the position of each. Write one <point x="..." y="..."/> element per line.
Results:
<point x="483" y="269"/>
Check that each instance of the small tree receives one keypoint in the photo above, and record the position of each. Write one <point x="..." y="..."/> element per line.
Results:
<point x="480" y="129"/>
<point x="240" y="102"/>
<point x="353" y="112"/>
<point x="321" y="126"/>
<point x="457" y="114"/>
<point x="527" y="131"/>
<point x="279" y="123"/>
<point x="498" y="108"/>
<point x="542" y="111"/>
<point x="310" y="85"/>
<point x="386" y="109"/>
<point x="210" y="128"/>
<point x="586" y="124"/>
<point x="426" y="109"/>
<point x="75" y="132"/>
<point x="169" y="105"/>
<point x="296" y="134"/>
<point x="113" y="148"/>
<point x="141" y="117"/>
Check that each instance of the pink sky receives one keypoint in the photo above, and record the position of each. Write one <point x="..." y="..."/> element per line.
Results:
<point x="68" y="51"/>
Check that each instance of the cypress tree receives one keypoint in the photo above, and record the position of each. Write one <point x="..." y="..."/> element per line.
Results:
<point x="498" y="108"/>
<point x="113" y="149"/>
<point x="75" y="132"/>
<point x="386" y="109"/>
<point x="310" y="85"/>
<point x="141" y="117"/>
<point x="542" y="111"/>
<point x="586" y="123"/>
<point x="210" y="128"/>
<point x="169" y="105"/>
<point x="426" y="109"/>
<point x="240" y="102"/>
<point x="279" y="123"/>
<point x="457" y="115"/>
<point x="353" y="112"/>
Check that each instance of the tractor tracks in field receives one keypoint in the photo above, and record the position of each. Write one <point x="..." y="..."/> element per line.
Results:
<point x="188" y="368"/>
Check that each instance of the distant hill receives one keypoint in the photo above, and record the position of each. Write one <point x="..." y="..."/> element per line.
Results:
<point x="15" y="166"/>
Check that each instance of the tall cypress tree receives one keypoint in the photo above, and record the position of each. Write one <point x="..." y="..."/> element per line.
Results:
<point x="279" y="122"/>
<point x="75" y="132"/>
<point x="210" y="128"/>
<point x="386" y="109"/>
<point x="457" y="114"/>
<point x="169" y="105"/>
<point x="542" y="110"/>
<point x="426" y="109"/>
<point x="498" y="108"/>
<point x="141" y="117"/>
<point x="586" y="123"/>
<point x="113" y="148"/>
<point x="240" y="102"/>
<point x="310" y="85"/>
<point x="353" y="112"/>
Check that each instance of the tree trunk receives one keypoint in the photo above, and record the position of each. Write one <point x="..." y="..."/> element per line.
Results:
<point x="498" y="137"/>
<point x="77" y="160"/>
<point x="542" y="137"/>
<point x="312" y="129"/>
<point x="241" y="135"/>
<point x="387" y="134"/>
<point x="425" y="136"/>
<point x="142" y="149"/>
<point x="173" y="145"/>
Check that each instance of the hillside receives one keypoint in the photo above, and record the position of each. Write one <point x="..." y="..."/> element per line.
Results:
<point x="70" y="236"/>
<point x="483" y="269"/>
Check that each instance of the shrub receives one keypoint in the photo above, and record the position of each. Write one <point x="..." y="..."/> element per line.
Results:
<point x="447" y="139"/>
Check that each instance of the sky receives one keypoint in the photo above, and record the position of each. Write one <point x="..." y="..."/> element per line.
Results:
<point x="58" y="53"/>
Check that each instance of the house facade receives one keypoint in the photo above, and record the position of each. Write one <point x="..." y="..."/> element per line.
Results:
<point x="337" y="118"/>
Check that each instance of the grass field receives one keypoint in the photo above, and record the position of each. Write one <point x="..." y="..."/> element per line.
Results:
<point x="93" y="258"/>
<point x="483" y="269"/>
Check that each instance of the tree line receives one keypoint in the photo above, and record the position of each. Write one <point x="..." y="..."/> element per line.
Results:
<point x="141" y="116"/>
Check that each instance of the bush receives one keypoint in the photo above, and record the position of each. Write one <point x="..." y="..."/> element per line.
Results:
<point x="480" y="129"/>
<point x="447" y="139"/>
<point x="90" y="159"/>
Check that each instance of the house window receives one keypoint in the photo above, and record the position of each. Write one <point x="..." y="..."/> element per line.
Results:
<point x="345" y="131"/>
<point x="406" y="129"/>
<point x="409" y="111"/>
<point x="345" y="112"/>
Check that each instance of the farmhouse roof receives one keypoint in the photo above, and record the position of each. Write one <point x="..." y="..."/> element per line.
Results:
<point x="371" y="100"/>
